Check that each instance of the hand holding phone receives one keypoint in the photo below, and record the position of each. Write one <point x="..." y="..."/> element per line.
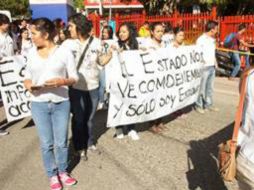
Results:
<point x="36" y="87"/>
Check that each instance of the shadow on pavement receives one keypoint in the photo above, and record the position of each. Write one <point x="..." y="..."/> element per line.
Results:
<point x="202" y="163"/>
<point x="99" y="129"/>
<point x="29" y="124"/>
<point x="100" y="124"/>
<point x="5" y="125"/>
<point x="73" y="158"/>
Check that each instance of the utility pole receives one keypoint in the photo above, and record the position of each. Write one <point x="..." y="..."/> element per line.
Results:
<point x="110" y="10"/>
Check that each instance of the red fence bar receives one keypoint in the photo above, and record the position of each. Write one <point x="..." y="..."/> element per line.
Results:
<point x="193" y="24"/>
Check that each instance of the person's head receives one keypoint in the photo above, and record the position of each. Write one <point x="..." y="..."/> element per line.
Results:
<point x="212" y="27"/>
<point x="104" y="23"/>
<point x="24" y="33"/>
<point x="157" y="31"/>
<point x="23" y="23"/>
<point x="241" y="28"/>
<point x="79" y="26"/>
<point x="59" y="23"/>
<point x="63" y="35"/>
<point x="179" y="35"/>
<point x="127" y="34"/>
<point x="43" y="31"/>
<point x="4" y="23"/>
<point x="146" y="25"/>
<point x="168" y="28"/>
<point x="107" y="33"/>
<point x="14" y="27"/>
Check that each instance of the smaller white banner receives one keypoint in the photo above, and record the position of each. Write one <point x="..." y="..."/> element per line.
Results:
<point x="14" y="95"/>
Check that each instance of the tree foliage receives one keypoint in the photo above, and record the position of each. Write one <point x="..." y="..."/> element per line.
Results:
<point x="78" y="4"/>
<point x="225" y="7"/>
<point x="17" y="8"/>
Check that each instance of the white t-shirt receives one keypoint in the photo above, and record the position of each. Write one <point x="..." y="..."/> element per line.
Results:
<point x="89" y="69"/>
<point x="168" y="39"/>
<point x="246" y="132"/>
<point x="208" y="44"/>
<point x="26" y="46"/>
<point x="59" y="64"/>
<point x="6" y="45"/>
<point x="151" y="44"/>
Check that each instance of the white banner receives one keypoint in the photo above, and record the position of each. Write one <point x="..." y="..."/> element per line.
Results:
<point x="148" y="85"/>
<point x="14" y="95"/>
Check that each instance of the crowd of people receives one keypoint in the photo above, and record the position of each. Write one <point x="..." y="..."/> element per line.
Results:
<point x="65" y="74"/>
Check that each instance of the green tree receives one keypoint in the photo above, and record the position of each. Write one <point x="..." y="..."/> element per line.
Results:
<point x="225" y="7"/>
<point x="20" y="8"/>
<point x="78" y="4"/>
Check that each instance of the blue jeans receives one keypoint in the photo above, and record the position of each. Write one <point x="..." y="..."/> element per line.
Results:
<point x="102" y="85"/>
<point x="51" y="120"/>
<point x="83" y="108"/>
<point x="247" y="61"/>
<point x="237" y="62"/>
<point x="205" y="98"/>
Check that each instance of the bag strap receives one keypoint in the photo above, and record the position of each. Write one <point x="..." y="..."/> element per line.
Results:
<point x="239" y="113"/>
<point x="84" y="53"/>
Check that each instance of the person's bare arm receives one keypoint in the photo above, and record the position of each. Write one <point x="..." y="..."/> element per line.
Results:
<point x="246" y="44"/>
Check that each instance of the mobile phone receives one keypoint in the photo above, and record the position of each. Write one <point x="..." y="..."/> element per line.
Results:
<point x="36" y="87"/>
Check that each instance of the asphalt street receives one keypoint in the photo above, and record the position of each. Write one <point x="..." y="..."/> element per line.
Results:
<point x="182" y="157"/>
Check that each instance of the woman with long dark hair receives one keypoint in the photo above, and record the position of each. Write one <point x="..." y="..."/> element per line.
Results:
<point x="49" y="72"/>
<point x="156" y="42"/>
<point x="127" y="40"/>
<point x="84" y="94"/>
<point x="24" y="42"/>
<point x="107" y="34"/>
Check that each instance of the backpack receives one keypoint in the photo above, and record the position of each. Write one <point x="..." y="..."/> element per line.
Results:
<point x="228" y="42"/>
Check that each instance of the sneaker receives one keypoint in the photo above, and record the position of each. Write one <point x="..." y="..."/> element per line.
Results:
<point x="3" y="132"/>
<point x="200" y="110"/>
<point x="214" y="109"/>
<point x="66" y="179"/>
<point x="134" y="135"/>
<point x="82" y="154"/>
<point x="92" y="148"/>
<point x="100" y="106"/>
<point x="55" y="183"/>
<point x="119" y="136"/>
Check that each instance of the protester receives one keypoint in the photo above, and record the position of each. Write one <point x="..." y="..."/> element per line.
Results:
<point x="179" y="37"/>
<point x="168" y="35"/>
<point x="6" y="42"/>
<point x="6" y="46"/>
<point x="107" y="34"/>
<point x="178" y="41"/>
<point x="127" y="40"/>
<point x="84" y="95"/>
<point x="238" y="41"/>
<point x="63" y="35"/>
<point x="24" y="42"/>
<point x="23" y="24"/>
<point x="14" y="33"/>
<point x="50" y="69"/>
<point x="144" y="30"/>
<point x="153" y="43"/>
<point x="245" y="158"/>
<point x="207" y="42"/>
